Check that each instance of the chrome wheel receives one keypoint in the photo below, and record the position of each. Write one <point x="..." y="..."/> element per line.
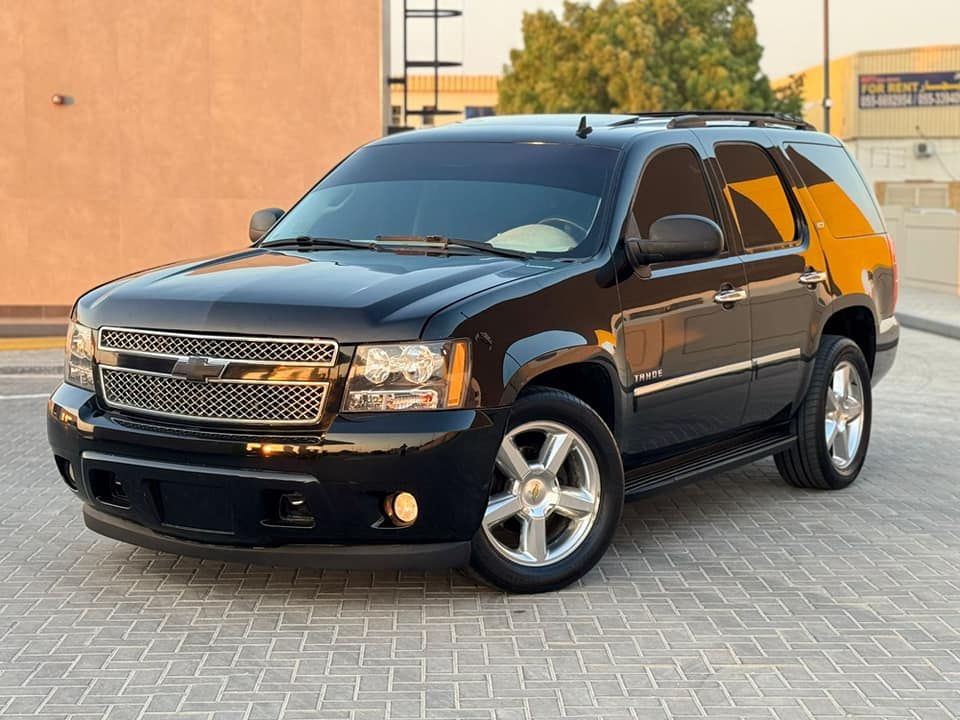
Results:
<point x="546" y="494"/>
<point x="843" y="421"/>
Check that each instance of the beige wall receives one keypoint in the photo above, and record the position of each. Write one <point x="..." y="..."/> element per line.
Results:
<point x="187" y="116"/>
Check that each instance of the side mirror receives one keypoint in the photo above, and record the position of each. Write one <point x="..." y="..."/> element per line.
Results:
<point x="263" y="220"/>
<point x="676" y="237"/>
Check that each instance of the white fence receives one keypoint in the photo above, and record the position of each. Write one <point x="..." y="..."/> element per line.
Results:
<point x="928" y="247"/>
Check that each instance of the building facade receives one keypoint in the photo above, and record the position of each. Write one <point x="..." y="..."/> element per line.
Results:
<point x="174" y="122"/>
<point x="466" y="95"/>
<point x="899" y="113"/>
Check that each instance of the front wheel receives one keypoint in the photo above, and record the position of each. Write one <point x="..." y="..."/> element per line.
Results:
<point x="555" y="499"/>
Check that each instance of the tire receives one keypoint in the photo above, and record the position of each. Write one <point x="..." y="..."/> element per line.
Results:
<point x="579" y="505"/>
<point x="813" y="462"/>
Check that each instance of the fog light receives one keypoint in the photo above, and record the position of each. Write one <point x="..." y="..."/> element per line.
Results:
<point x="402" y="509"/>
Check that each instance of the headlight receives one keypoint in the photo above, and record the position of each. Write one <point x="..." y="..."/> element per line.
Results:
<point x="410" y="376"/>
<point x="78" y="365"/>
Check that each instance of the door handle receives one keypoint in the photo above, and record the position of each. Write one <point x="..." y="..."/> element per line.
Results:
<point x="730" y="296"/>
<point x="812" y="277"/>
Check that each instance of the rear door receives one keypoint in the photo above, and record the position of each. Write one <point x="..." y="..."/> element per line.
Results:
<point x="784" y="271"/>
<point x="688" y="354"/>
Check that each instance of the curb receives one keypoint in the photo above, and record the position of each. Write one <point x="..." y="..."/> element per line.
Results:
<point x="931" y="326"/>
<point x="31" y="343"/>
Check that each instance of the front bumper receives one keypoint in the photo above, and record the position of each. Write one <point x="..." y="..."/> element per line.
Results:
<point x="215" y="494"/>
<point x="423" y="556"/>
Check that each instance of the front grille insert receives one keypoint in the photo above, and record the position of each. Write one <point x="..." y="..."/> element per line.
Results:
<point x="219" y="401"/>
<point x="219" y="347"/>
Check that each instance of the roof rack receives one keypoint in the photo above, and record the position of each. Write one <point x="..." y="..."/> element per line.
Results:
<point x="700" y="118"/>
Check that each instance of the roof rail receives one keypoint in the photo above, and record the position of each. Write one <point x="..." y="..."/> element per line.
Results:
<point x="700" y="118"/>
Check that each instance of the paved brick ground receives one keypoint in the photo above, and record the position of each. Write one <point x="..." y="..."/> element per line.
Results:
<point x="735" y="597"/>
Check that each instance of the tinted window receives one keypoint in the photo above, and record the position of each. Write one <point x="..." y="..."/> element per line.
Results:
<point x="492" y="192"/>
<point x="837" y="188"/>
<point x="755" y="191"/>
<point x="672" y="184"/>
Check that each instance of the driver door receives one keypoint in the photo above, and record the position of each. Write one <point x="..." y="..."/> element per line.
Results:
<point x="688" y="353"/>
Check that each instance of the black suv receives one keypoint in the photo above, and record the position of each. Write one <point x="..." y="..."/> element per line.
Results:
<point x="466" y="346"/>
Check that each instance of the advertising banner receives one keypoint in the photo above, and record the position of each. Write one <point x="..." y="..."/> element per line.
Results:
<point x="931" y="89"/>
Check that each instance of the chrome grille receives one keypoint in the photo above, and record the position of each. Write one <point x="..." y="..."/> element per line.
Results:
<point x="218" y="401"/>
<point x="220" y="347"/>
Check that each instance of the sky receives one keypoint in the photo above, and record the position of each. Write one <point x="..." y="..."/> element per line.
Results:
<point x="789" y="30"/>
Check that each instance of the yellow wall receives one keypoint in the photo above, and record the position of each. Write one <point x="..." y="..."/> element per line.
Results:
<point x="456" y="93"/>
<point x="848" y="122"/>
<point x="187" y="117"/>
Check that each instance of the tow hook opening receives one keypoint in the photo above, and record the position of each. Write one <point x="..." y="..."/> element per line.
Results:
<point x="290" y="510"/>
<point x="108" y="489"/>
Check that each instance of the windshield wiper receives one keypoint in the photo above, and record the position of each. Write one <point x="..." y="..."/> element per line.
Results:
<point x="443" y="242"/>
<point x="309" y="241"/>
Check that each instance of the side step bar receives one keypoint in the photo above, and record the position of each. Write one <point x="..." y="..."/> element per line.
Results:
<point x="698" y="463"/>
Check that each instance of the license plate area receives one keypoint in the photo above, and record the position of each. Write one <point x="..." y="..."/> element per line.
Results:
<point x="202" y="505"/>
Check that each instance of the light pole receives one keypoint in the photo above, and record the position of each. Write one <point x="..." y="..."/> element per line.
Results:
<point x="827" y="102"/>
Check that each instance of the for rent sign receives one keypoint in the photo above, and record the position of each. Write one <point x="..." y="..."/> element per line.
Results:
<point x="933" y="89"/>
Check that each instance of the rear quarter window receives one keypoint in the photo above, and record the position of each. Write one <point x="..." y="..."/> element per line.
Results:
<point x="755" y="191"/>
<point x="837" y="188"/>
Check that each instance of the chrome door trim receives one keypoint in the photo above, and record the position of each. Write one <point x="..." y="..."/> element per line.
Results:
<point x="776" y="357"/>
<point x="693" y="377"/>
<point x="752" y="364"/>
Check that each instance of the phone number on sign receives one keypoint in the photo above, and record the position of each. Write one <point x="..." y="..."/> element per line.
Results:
<point x="938" y="98"/>
<point x="921" y="99"/>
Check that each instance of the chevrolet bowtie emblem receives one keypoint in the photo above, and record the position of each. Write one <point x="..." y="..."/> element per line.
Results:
<point x="199" y="369"/>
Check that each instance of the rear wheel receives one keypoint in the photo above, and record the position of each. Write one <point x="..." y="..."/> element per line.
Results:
<point x="556" y="496"/>
<point x="833" y="422"/>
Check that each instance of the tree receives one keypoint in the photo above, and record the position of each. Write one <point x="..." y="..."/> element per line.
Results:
<point x="641" y="55"/>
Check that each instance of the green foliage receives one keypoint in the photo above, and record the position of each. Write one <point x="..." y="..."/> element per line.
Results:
<point x="641" y="55"/>
<point x="788" y="97"/>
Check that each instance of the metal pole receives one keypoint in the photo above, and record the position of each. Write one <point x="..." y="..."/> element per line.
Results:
<point x="436" y="54"/>
<point x="827" y="102"/>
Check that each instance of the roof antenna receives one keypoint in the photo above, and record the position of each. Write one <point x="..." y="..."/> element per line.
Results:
<point x="583" y="129"/>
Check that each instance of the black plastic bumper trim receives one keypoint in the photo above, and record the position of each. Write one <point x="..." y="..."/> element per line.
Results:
<point x="427" y="556"/>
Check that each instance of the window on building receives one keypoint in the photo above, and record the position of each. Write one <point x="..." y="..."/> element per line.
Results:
<point x="921" y="194"/>
<point x="757" y="195"/>
<point x="673" y="183"/>
<point x="475" y="111"/>
<point x="396" y="114"/>
<point x="427" y="116"/>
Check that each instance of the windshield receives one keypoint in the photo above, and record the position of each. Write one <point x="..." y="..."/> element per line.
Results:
<point x="531" y="197"/>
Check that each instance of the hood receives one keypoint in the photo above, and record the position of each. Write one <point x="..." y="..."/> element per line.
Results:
<point x="348" y="295"/>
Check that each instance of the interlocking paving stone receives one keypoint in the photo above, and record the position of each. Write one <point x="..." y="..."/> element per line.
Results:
<point x="736" y="597"/>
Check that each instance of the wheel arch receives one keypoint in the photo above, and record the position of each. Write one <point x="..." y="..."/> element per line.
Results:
<point x="586" y="371"/>
<point x="855" y="318"/>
